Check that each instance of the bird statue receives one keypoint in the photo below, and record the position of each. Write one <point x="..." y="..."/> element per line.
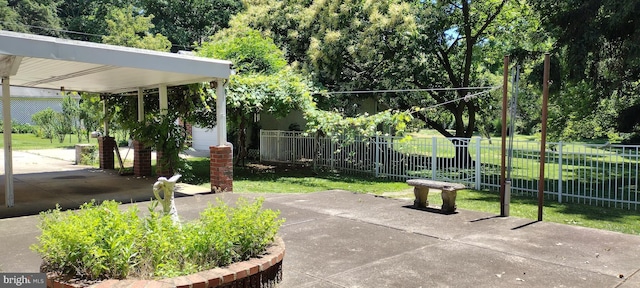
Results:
<point x="167" y="186"/>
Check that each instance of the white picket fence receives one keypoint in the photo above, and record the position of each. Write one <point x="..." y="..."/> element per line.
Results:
<point x="600" y="175"/>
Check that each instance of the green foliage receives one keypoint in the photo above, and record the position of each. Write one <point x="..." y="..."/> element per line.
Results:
<point x="263" y="83"/>
<point x="125" y="28"/>
<point x="20" y="128"/>
<point x="102" y="241"/>
<point x="44" y="120"/>
<point x="71" y="114"/>
<point x="370" y="45"/>
<point x="87" y="16"/>
<point x="10" y="18"/>
<point x="91" y="113"/>
<point x="162" y="133"/>
<point x="249" y="51"/>
<point x="94" y="243"/>
<point x="30" y="16"/>
<point x="189" y="22"/>
<point x="335" y="125"/>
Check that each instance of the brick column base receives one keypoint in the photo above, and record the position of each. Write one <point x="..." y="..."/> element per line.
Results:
<point x="162" y="170"/>
<point x="221" y="165"/>
<point x="106" y="145"/>
<point x="141" y="159"/>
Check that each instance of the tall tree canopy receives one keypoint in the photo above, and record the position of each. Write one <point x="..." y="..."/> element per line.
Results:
<point x="88" y="17"/>
<point x="367" y="45"/>
<point x="598" y="50"/>
<point x="125" y="28"/>
<point x="30" y="16"/>
<point x="189" y="22"/>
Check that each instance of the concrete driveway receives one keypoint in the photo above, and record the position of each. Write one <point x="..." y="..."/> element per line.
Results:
<point x="44" y="178"/>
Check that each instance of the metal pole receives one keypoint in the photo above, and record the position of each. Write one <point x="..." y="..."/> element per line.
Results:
<point x="478" y="162"/>
<point x="543" y="136"/>
<point x="505" y="86"/>
<point x="8" y="147"/>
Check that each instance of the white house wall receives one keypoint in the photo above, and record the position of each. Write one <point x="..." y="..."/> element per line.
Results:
<point x="270" y="122"/>
<point x="203" y="138"/>
<point x="23" y="108"/>
<point x="26" y="101"/>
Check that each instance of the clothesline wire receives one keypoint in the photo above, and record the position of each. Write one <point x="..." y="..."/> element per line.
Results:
<point x="466" y="97"/>
<point x="412" y="90"/>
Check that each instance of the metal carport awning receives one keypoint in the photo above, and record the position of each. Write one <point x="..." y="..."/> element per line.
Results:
<point x="47" y="62"/>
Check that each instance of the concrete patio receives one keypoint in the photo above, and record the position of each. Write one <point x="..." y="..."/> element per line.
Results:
<point x="342" y="239"/>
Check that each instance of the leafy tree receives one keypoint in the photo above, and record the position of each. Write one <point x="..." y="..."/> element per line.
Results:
<point x="262" y="82"/>
<point x="369" y="45"/>
<point x="30" y="16"/>
<point x="44" y="120"/>
<point x="597" y="50"/>
<point x="71" y="115"/>
<point x="9" y="18"/>
<point x="91" y="113"/>
<point x="186" y="23"/>
<point x="124" y="28"/>
<point x="88" y="17"/>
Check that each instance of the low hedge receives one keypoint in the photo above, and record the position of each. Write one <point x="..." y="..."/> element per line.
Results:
<point x="101" y="241"/>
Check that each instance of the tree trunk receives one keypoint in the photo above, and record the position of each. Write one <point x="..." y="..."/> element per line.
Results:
<point x="242" y="142"/>
<point x="462" y="157"/>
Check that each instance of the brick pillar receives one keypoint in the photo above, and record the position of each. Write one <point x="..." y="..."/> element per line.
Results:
<point x="161" y="170"/>
<point x="106" y="145"/>
<point x="141" y="159"/>
<point x="221" y="165"/>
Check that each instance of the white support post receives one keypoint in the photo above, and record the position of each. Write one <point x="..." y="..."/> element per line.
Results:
<point x="560" y="172"/>
<point x="478" y="162"/>
<point x="105" y="122"/>
<point x="164" y="101"/>
<point x="8" y="153"/>
<point x="140" y="105"/>
<point x="221" y="112"/>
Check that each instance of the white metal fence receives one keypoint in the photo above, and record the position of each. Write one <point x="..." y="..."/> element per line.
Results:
<point x="601" y="175"/>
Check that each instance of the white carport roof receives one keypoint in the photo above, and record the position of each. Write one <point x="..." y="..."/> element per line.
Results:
<point x="47" y="62"/>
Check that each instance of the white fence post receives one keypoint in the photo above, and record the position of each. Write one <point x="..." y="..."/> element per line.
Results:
<point x="560" y="172"/>
<point x="434" y="157"/>
<point x="261" y="144"/>
<point x="478" y="163"/>
<point x="377" y="163"/>
<point x="278" y="139"/>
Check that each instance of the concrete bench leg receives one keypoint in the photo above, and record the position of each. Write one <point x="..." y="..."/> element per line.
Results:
<point x="449" y="200"/>
<point x="422" y="194"/>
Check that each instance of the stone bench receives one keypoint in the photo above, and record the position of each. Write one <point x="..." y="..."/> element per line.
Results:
<point x="449" y="193"/>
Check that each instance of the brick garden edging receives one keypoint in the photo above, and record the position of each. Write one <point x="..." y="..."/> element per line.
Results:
<point x="265" y="271"/>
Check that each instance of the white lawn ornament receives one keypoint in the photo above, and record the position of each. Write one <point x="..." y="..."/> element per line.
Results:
<point x="167" y="186"/>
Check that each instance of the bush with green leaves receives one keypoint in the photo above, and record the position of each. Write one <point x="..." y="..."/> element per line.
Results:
<point x="103" y="241"/>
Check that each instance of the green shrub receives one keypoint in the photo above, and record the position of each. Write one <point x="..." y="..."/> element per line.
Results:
<point x="89" y="156"/>
<point x="101" y="241"/>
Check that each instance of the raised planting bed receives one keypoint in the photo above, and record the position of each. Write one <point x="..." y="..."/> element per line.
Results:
<point x="265" y="271"/>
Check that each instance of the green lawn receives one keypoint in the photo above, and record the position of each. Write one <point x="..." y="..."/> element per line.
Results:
<point x="294" y="179"/>
<point x="258" y="178"/>
<point x="32" y="142"/>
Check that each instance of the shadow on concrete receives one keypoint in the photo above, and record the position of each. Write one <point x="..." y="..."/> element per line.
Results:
<point x="430" y="210"/>
<point x="42" y="191"/>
